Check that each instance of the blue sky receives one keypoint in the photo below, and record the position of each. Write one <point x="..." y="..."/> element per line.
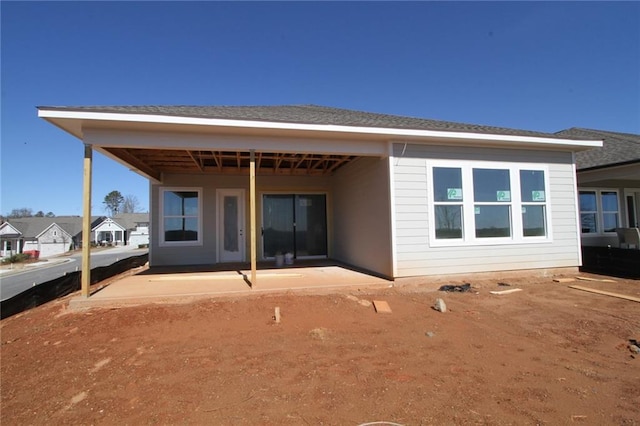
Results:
<point x="543" y="66"/>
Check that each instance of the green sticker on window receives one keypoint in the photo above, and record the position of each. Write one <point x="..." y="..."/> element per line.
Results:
<point x="503" y="196"/>
<point x="537" y="196"/>
<point x="477" y="210"/>
<point x="454" y="193"/>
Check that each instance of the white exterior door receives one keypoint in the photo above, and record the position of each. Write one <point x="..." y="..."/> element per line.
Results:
<point x="231" y="235"/>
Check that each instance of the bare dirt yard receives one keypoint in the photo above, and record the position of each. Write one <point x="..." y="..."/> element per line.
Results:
<point x="545" y="355"/>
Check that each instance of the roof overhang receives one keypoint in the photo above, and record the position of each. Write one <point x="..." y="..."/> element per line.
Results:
<point x="153" y="144"/>
<point x="74" y="122"/>
<point x="614" y="175"/>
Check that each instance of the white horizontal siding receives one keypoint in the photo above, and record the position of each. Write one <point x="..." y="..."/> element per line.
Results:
<point x="414" y="255"/>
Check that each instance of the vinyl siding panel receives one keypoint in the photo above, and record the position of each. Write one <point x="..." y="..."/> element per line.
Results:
<point x="415" y="255"/>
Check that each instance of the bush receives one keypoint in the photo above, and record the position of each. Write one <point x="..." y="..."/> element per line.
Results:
<point x="17" y="258"/>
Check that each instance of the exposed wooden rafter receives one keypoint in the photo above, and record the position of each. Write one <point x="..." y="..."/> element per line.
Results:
<point x="198" y="161"/>
<point x="153" y="162"/>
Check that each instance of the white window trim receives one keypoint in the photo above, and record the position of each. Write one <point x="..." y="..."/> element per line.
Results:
<point x="599" y="212"/>
<point x="468" y="222"/>
<point x="162" y="242"/>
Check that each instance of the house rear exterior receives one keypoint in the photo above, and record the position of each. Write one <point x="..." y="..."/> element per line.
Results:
<point x="397" y="196"/>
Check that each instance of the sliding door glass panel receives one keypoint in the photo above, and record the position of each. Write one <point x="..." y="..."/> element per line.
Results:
<point x="277" y="224"/>
<point x="311" y="225"/>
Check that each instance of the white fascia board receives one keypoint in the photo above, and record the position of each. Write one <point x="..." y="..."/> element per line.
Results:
<point x="3" y="229"/>
<point x="102" y="138"/>
<point x="108" y="221"/>
<point x="325" y="128"/>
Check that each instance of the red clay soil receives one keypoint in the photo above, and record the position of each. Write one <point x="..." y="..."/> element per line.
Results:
<point x="545" y="355"/>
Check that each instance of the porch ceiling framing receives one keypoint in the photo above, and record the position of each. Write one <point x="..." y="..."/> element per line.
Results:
<point x="154" y="162"/>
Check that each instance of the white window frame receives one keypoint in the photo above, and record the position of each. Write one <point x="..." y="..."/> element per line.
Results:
<point x="599" y="212"/>
<point x="468" y="204"/>
<point x="162" y="242"/>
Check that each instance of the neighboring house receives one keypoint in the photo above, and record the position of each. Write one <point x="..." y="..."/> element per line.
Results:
<point x="123" y="229"/>
<point x="608" y="185"/>
<point x="397" y="196"/>
<point x="109" y="232"/>
<point x="10" y="240"/>
<point x="51" y="236"/>
<point x="137" y="226"/>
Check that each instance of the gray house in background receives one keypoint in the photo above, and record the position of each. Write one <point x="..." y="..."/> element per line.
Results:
<point x="398" y="196"/>
<point x="50" y="236"/>
<point x="608" y="185"/>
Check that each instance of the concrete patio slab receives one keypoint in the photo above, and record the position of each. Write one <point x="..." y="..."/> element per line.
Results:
<point x="166" y="286"/>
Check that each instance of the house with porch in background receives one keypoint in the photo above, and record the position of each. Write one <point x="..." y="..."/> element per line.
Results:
<point x="608" y="185"/>
<point x="396" y="196"/>
<point x="123" y="229"/>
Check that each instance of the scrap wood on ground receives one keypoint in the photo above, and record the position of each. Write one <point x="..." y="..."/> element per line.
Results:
<point x="606" y="293"/>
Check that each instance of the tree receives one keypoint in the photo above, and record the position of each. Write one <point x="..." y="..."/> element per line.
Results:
<point x="21" y="212"/>
<point x="130" y="204"/>
<point x="39" y="214"/>
<point x="112" y="202"/>
<point x="49" y="214"/>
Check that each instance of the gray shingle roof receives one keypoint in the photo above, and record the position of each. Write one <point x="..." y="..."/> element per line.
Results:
<point x="617" y="148"/>
<point x="130" y="220"/>
<point x="307" y="114"/>
<point x="30" y="227"/>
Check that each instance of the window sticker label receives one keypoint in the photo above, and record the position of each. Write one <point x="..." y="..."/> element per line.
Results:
<point x="537" y="196"/>
<point x="454" y="193"/>
<point x="503" y="195"/>
<point x="477" y="210"/>
<point x="524" y="209"/>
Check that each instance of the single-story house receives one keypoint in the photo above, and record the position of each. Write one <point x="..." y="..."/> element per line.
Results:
<point x="50" y="236"/>
<point x="122" y="229"/>
<point x="397" y="196"/>
<point x="608" y="185"/>
<point x="109" y="232"/>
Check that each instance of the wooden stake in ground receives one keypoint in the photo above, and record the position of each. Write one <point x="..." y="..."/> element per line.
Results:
<point x="277" y="315"/>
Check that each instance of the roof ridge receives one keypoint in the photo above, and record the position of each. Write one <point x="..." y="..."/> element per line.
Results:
<point x="600" y="132"/>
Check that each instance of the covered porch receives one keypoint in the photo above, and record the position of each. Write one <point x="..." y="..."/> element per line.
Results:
<point x="225" y="191"/>
<point x="174" y="284"/>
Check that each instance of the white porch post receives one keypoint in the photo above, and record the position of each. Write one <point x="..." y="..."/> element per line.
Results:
<point x="252" y="213"/>
<point x="86" y="221"/>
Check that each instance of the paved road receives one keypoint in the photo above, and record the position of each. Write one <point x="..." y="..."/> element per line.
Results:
<point x="12" y="283"/>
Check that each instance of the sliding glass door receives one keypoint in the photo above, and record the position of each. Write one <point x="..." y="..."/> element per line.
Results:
<point x="294" y="223"/>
